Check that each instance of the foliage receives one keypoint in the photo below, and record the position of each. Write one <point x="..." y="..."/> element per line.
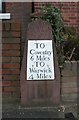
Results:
<point x="54" y="17"/>
<point x="71" y="42"/>
<point x="67" y="43"/>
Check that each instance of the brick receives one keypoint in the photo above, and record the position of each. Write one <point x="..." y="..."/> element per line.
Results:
<point x="9" y="97"/>
<point x="0" y="31"/>
<point x="10" y="89"/>
<point x="2" y="26"/>
<point x="73" y="19"/>
<point x="0" y="53"/>
<point x="15" y="59"/>
<point x="78" y="89"/>
<point x="11" y="40"/>
<point x="6" y="72"/>
<point x="5" y="95"/>
<point x="11" y="65"/>
<point x="6" y="83"/>
<point x="0" y="71"/>
<point x="0" y="46"/>
<point x="11" y="47"/>
<point x="0" y="91"/>
<point x="16" y="26"/>
<point x="16" y="34"/>
<point x="15" y="72"/>
<point x="9" y="4"/>
<point x="11" y="77"/>
<point x="69" y="97"/>
<point x="11" y="34"/>
<point x="11" y="71"/>
<point x="11" y="53"/>
<point x="0" y="65"/>
<point x="0" y="83"/>
<point x="10" y="83"/>
<point x="1" y="38"/>
<point x="15" y="83"/>
<point x="16" y="95"/>
<point x="0" y="59"/>
<point x="7" y="26"/>
<point x="69" y="84"/>
<point x="70" y="69"/>
<point x="6" y="59"/>
<point x="0" y="77"/>
<point x="69" y="90"/>
<point x="69" y="79"/>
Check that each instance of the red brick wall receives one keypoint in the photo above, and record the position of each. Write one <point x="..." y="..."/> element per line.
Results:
<point x="0" y="59"/>
<point x="20" y="11"/>
<point x="14" y="36"/>
<point x="11" y="36"/>
<point x="69" y="12"/>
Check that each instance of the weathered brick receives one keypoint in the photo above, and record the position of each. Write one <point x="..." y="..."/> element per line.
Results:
<point x="0" y="65"/>
<point x="11" y="57"/>
<point x="1" y="59"/>
<point x="69" y="84"/>
<point x="11" y="53"/>
<point x="11" y="47"/>
<point x="16" y="94"/>
<point x="0" y="53"/>
<point x="10" y="89"/>
<point x="10" y="97"/>
<point x="70" y="69"/>
<point x="10" y="83"/>
<point x="69" y="97"/>
<point x="69" y="79"/>
<point x="10" y="4"/>
<point x="6" y="83"/>
<point x="0" y="83"/>
<point x="15" y="71"/>
<point x="11" y="77"/>
<point x="0" y="71"/>
<point x="5" y="95"/>
<point x="11" y="65"/>
<point x="2" y="26"/>
<point x="16" y="34"/>
<point x="11" y="40"/>
<point x="78" y="90"/>
<point x="6" y="72"/>
<point x="0" y="46"/>
<point x="15" y="59"/>
<point x="0" y="90"/>
<point x="7" y="26"/>
<point x="6" y="59"/>
<point x="0" y="77"/>
<point x="69" y="90"/>
<point x="11" y="71"/>
<point x="16" y="26"/>
<point x="10" y="34"/>
<point x="15" y="83"/>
